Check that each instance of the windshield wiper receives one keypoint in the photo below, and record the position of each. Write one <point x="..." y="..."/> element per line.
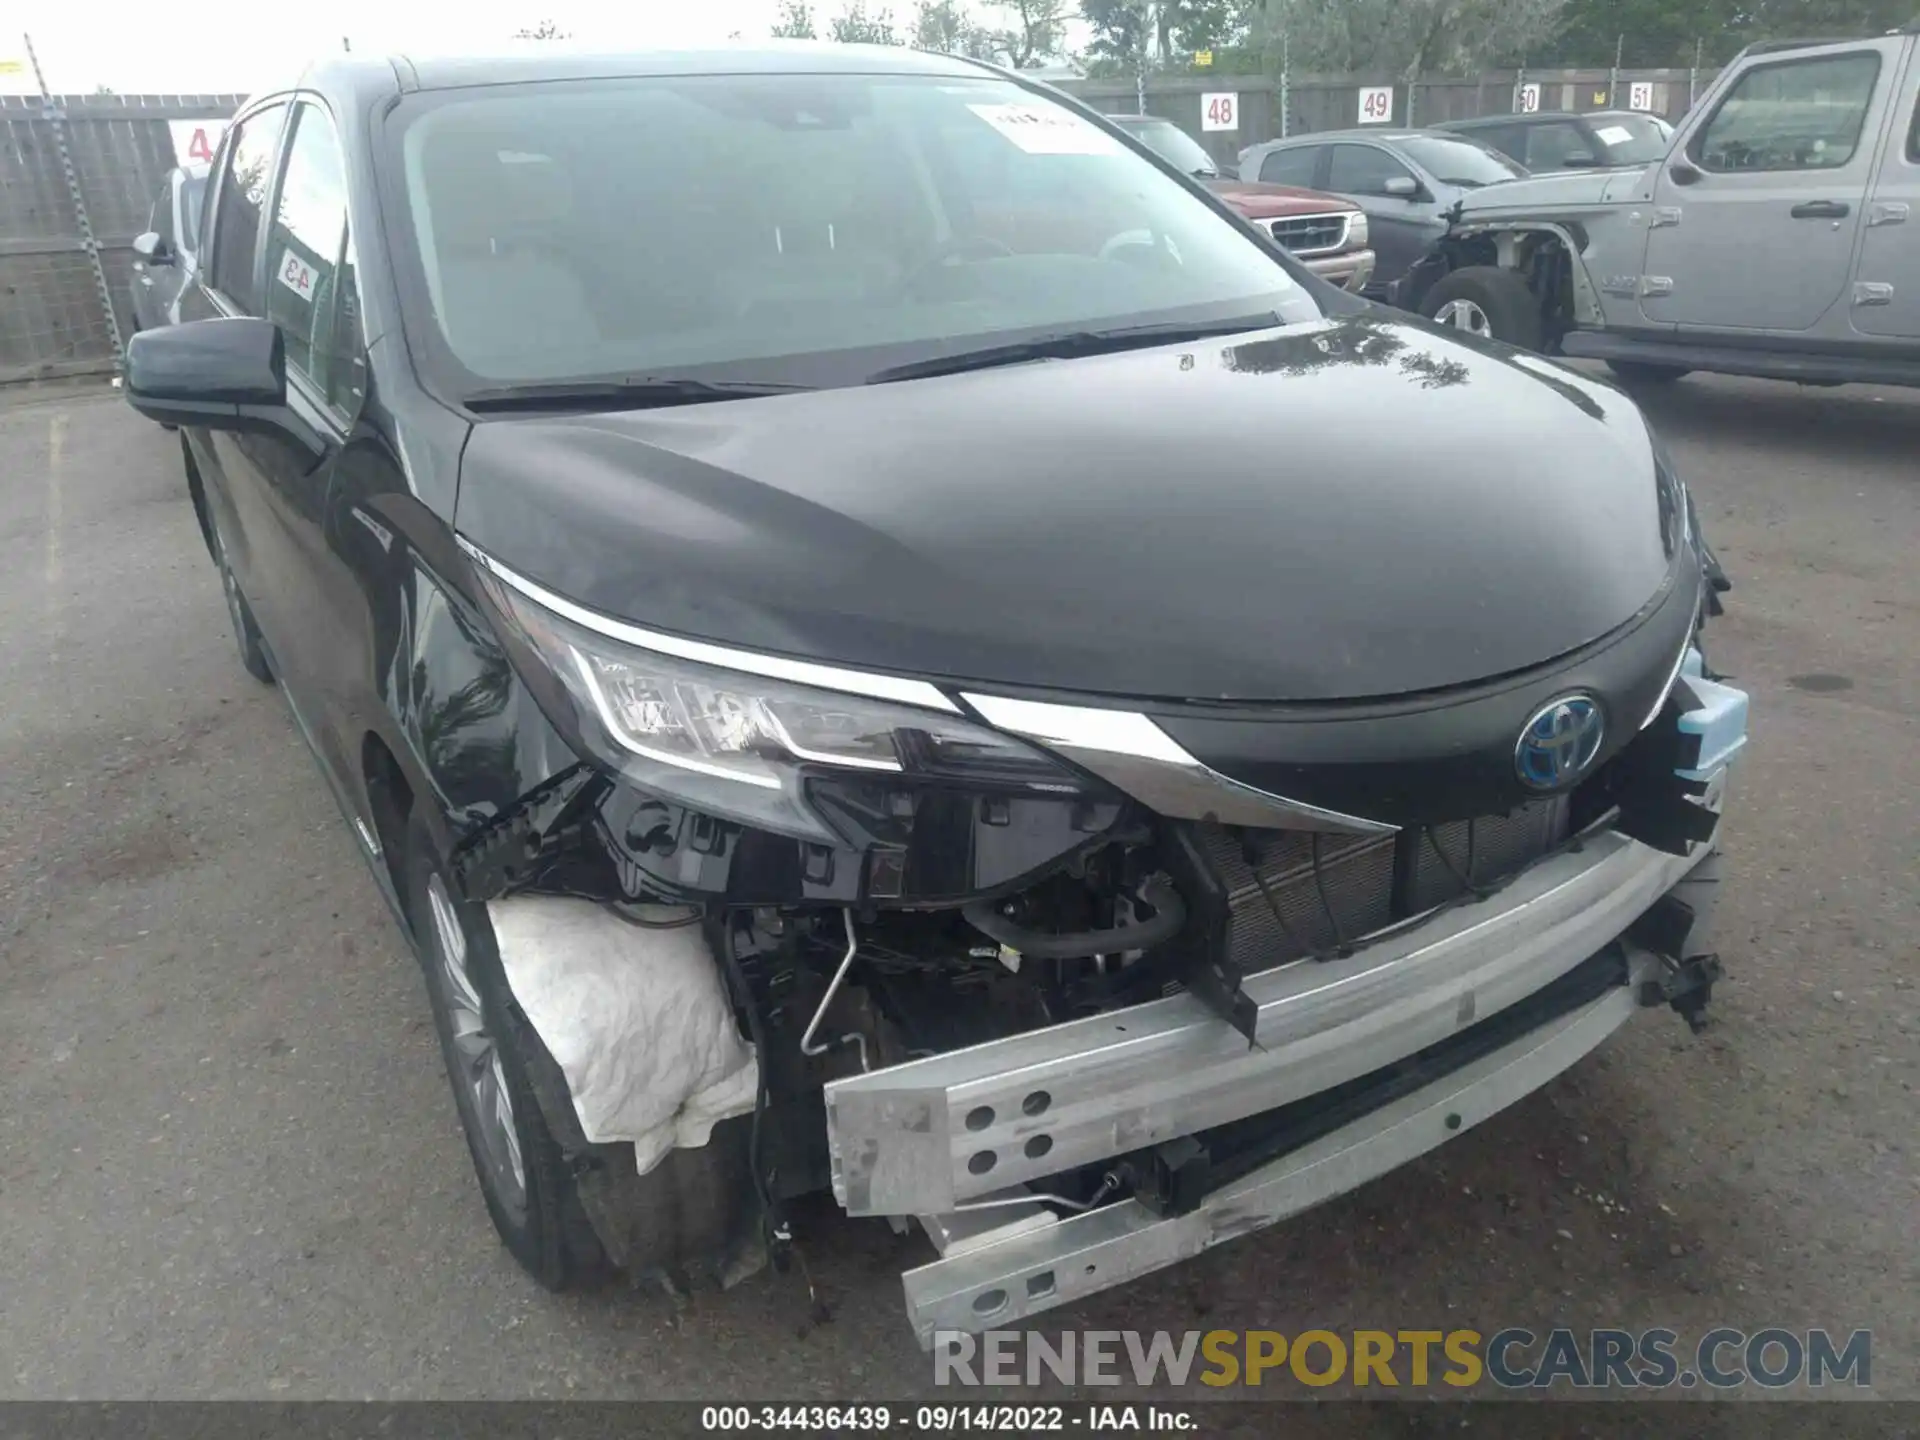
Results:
<point x="1068" y="345"/>
<point x="639" y="392"/>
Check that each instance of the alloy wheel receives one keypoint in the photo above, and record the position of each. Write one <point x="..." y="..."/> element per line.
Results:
<point x="478" y="1065"/>
<point x="1465" y="315"/>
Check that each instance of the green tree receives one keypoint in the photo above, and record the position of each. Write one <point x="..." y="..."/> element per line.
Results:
<point x="853" y="26"/>
<point x="946" y="26"/>
<point x="796" y="22"/>
<point x="1038" y="33"/>
<point x="1120" y="32"/>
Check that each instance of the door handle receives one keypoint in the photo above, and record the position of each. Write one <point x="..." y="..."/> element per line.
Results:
<point x="1821" y="210"/>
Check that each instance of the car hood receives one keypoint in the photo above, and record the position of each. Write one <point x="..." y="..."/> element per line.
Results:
<point x="1259" y="201"/>
<point x="1566" y="189"/>
<point x="1353" y="507"/>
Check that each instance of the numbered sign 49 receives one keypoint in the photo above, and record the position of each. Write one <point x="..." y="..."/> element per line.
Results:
<point x="1376" y="104"/>
<point x="1529" y="99"/>
<point x="194" y="141"/>
<point x="1640" y="95"/>
<point x="1220" y="110"/>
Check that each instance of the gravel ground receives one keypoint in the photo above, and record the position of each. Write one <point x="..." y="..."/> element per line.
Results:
<point x="229" y="1164"/>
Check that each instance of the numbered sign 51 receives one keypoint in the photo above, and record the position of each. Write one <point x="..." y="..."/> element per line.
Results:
<point x="1376" y="104"/>
<point x="1640" y="95"/>
<point x="1220" y="111"/>
<point x="1529" y="99"/>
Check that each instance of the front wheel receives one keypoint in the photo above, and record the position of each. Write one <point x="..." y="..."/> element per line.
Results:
<point x="487" y="1042"/>
<point x="1492" y="303"/>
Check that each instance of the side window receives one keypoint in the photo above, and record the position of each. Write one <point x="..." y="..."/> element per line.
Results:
<point x="193" y="195"/>
<point x="1554" y="145"/>
<point x="304" y="244"/>
<point x="1797" y="115"/>
<point x="243" y="194"/>
<point x="1363" y="170"/>
<point x="160" y="220"/>
<point x="1291" y="167"/>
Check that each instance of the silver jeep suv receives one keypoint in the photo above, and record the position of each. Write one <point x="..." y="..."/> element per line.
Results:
<point x="1775" y="237"/>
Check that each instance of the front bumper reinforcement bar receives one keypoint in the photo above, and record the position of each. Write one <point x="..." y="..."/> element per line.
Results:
<point x="925" y="1137"/>
<point x="1000" y="1284"/>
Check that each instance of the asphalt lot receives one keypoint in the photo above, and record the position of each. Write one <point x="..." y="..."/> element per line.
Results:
<point x="230" y="1166"/>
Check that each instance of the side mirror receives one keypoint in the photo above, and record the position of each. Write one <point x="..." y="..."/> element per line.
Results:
<point x="225" y="374"/>
<point x="1401" y="187"/>
<point x="1684" y="174"/>
<point x="152" y="249"/>
<point x="1581" y="160"/>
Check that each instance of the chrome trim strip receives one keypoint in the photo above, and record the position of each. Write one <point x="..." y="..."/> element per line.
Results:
<point x="1679" y="664"/>
<point x="906" y="1140"/>
<point x="774" y="667"/>
<point x="1136" y="756"/>
<point x="1000" y="1284"/>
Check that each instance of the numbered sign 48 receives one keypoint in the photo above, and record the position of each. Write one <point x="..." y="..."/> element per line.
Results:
<point x="1220" y="110"/>
<point x="1529" y="99"/>
<point x="1640" y="95"/>
<point x="1376" y="104"/>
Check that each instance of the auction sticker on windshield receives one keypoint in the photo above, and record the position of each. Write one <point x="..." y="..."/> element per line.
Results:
<point x="1042" y="131"/>
<point x="1614" y="134"/>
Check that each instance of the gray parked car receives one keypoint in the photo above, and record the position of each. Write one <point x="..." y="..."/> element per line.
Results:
<point x="1405" y="181"/>
<point x="1774" y="238"/>
<point x="1552" y="140"/>
<point x="164" y="255"/>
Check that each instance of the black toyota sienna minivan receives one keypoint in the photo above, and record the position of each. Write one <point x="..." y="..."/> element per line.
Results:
<point x="878" y="640"/>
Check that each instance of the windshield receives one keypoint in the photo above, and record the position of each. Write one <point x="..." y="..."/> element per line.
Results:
<point x="1172" y="144"/>
<point x="1456" y="160"/>
<point x="790" y="229"/>
<point x="1633" y="139"/>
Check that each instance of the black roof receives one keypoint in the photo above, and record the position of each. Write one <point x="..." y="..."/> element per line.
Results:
<point x="369" y="75"/>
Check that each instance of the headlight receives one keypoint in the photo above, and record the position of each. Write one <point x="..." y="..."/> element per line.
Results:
<point x="745" y="746"/>
<point x="1357" y="234"/>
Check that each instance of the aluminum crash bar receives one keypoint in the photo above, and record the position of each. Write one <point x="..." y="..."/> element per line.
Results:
<point x="927" y="1136"/>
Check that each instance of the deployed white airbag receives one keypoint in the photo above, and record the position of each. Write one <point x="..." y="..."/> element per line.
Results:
<point x="638" y="1021"/>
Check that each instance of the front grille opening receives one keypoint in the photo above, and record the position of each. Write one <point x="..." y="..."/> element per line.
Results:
<point x="1348" y="886"/>
<point x="1307" y="234"/>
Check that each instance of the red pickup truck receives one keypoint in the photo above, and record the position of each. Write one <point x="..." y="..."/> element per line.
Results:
<point x="1327" y="235"/>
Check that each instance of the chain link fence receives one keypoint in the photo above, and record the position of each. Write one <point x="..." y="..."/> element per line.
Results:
<point x="78" y="178"/>
<point x="1268" y="107"/>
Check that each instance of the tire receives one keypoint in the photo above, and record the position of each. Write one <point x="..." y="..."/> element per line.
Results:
<point x="490" y="1048"/>
<point x="1487" y="301"/>
<point x="246" y="634"/>
<point x="1646" y="372"/>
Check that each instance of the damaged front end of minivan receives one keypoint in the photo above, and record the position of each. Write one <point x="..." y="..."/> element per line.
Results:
<point x="1035" y="976"/>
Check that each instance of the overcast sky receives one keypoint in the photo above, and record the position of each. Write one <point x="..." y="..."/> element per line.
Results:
<point x="204" y="46"/>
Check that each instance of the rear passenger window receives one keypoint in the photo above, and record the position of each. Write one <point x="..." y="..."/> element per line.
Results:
<point x="1291" y="167"/>
<point x="243" y="194"/>
<point x="304" y="244"/>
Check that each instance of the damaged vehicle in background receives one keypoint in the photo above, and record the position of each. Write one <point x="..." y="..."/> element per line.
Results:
<point x="1772" y="237"/>
<point x="1326" y="234"/>
<point x="944" y="694"/>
